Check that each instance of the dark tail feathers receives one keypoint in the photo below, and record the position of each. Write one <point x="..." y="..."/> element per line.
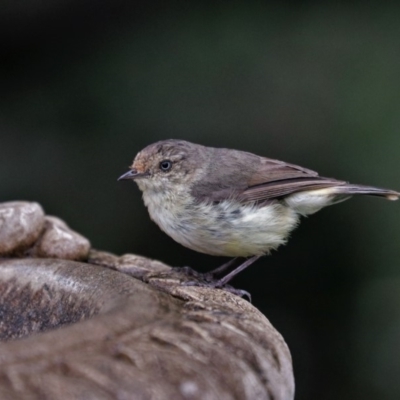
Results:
<point x="350" y="189"/>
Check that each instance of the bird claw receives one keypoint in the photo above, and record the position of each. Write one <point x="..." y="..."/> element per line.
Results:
<point x="216" y="285"/>
<point x="206" y="277"/>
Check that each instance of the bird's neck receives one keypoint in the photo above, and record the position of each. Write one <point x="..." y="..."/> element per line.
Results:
<point x="164" y="203"/>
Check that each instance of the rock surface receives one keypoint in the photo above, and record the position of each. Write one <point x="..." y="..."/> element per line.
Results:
<point x="60" y="241"/>
<point x="122" y="327"/>
<point x="120" y="338"/>
<point x="25" y="230"/>
<point x="21" y="224"/>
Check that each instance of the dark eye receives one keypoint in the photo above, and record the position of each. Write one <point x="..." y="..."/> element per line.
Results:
<point x="165" y="165"/>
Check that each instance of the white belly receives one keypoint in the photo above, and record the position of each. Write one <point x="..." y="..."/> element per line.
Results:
<point x="224" y="229"/>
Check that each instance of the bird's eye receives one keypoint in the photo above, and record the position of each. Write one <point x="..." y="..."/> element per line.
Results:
<point x="165" y="165"/>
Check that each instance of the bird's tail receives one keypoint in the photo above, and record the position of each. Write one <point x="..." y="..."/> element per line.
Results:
<point x="332" y="192"/>
<point x="350" y="189"/>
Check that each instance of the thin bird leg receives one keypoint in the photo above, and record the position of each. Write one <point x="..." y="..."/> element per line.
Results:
<point x="208" y="276"/>
<point x="223" y="281"/>
<point x="223" y="267"/>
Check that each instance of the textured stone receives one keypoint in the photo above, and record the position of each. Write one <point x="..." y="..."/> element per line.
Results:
<point x="117" y="337"/>
<point x="21" y="224"/>
<point x="123" y="327"/>
<point x="60" y="241"/>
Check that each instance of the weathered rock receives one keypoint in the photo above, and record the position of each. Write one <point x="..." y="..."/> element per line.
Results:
<point x="139" y="332"/>
<point x="121" y="338"/>
<point x="60" y="241"/>
<point x="21" y="224"/>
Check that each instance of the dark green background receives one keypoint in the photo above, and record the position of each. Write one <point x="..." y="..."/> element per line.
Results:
<point x="84" y="85"/>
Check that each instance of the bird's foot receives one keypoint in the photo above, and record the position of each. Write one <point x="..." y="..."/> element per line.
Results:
<point x="189" y="271"/>
<point x="208" y="282"/>
<point x="217" y="285"/>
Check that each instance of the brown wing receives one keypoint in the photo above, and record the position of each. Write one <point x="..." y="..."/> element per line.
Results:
<point x="277" y="189"/>
<point x="274" y="179"/>
<point x="269" y="170"/>
<point x="250" y="178"/>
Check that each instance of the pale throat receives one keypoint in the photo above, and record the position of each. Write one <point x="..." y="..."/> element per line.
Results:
<point x="165" y="204"/>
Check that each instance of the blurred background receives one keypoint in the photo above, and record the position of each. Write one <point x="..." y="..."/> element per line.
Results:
<point x="85" y="85"/>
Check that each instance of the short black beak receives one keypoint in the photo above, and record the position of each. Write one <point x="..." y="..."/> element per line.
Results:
<point x="131" y="174"/>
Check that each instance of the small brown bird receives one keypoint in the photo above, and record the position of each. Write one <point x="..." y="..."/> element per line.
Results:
<point x="232" y="203"/>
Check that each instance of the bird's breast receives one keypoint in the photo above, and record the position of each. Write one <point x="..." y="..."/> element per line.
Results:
<point x="227" y="228"/>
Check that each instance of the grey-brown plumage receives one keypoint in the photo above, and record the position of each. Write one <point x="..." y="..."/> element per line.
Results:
<point x="228" y="202"/>
<point x="253" y="178"/>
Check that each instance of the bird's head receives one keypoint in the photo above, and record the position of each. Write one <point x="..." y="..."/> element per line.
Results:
<point x="164" y="164"/>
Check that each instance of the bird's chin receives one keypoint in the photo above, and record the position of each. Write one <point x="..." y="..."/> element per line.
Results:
<point x="143" y="184"/>
<point x="149" y="185"/>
